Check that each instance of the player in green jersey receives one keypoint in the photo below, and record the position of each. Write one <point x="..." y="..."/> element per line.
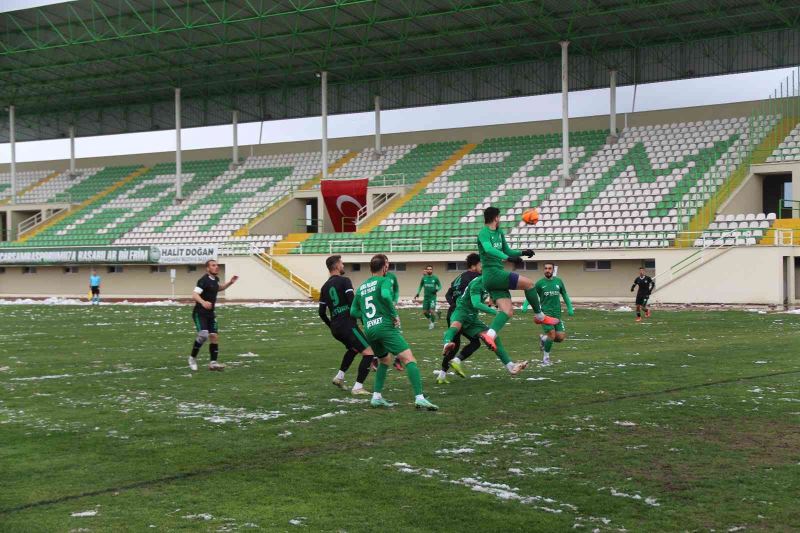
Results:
<point x="550" y="290"/>
<point x="398" y="365"/>
<point x="374" y="305"/>
<point x="429" y="285"/>
<point x="465" y="320"/>
<point x="498" y="282"/>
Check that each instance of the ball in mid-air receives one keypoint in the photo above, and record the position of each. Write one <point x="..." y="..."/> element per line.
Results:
<point x="531" y="216"/>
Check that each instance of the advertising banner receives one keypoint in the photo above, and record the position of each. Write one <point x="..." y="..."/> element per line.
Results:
<point x="183" y="254"/>
<point x="177" y="254"/>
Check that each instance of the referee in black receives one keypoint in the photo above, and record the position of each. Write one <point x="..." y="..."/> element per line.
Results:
<point x="335" y="298"/>
<point x="645" y="286"/>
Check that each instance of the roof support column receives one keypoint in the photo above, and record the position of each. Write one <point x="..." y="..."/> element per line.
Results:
<point x="612" y="126"/>
<point x="12" y="142"/>
<point x="324" y="102"/>
<point x="178" y="169"/>
<point x="377" y="125"/>
<point x="235" y="137"/>
<point x="564" y="114"/>
<point x="72" y="150"/>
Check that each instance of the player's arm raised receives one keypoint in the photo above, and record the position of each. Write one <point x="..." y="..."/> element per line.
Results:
<point x="228" y="283"/>
<point x="516" y="253"/>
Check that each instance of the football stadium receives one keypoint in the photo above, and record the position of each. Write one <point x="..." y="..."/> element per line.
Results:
<point x="585" y="322"/>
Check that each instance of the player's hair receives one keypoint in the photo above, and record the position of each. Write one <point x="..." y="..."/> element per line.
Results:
<point x="489" y="214"/>
<point x="331" y="261"/>
<point x="377" y="263"/>
<point x="429" y="266"/>
<point x="550" y="263"/>
<point x="210" y="261"/>
<point x="473" y="259"/>
<point x="642" y="268"/>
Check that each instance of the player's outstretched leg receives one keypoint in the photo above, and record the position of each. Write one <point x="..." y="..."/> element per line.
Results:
<point x="638" y="313"/>
<point x="512" y="367"/>
<point x="414" y="377"/>
<point x="347" y="360"/>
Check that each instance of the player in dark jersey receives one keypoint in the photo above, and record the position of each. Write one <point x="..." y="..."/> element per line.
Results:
<point x="335" y="298"/>
<point x="457" y="288"/>
<point x="205" y="320"/>
<point x="645" y="286"/>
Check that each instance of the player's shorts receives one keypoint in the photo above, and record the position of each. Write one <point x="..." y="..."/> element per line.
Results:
<point x="350" y="336"/>
<point x="642" y="300"/>
<point x="498" y="282"/>
<point x="558" y="328"/>
<point x="95" y="291"/>
<point x="471" y="325"/>
<point x="386" y="340"/>
<point x="429" y="303"/>
<point x="205" y="321"/>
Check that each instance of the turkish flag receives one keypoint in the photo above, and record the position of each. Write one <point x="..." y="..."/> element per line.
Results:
<point x="344" y="198"/>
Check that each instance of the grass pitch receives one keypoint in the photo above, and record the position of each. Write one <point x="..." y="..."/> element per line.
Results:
<point x="688" y="421"/>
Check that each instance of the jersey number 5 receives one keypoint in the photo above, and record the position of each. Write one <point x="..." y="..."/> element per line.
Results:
<point x="370" y="306"/>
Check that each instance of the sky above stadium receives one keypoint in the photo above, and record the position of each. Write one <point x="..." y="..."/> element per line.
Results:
<point x="665" y="95"/>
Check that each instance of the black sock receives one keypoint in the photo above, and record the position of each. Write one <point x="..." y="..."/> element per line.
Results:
<point x="347" y="360"/>
<point x="446" y="360"/>
<point x="363" y="369"/>
<point x="196" y="349"/>
<point x="639" y="314"/>
<point x="470" y="348"/>
<point x="213" y="349"/>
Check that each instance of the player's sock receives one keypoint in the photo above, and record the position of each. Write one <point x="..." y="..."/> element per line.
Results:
<point x="497" y="324"/>
<point x="412" y="370"/>
<point x="510" y="366"/>
<point x="502" y="354"/>
<point x="339" y="375"/>
<point x="533" y="298"/>
<point x="347" y="360"/>
<point x="380" y="378"/>
<point x="196" y="348"/>
<point x="470" y="348"/>
<point x="446" y="362"/>
<point x="363" y="370"/>
<point x="213" y="349"/>
<point x="548" y="344"/>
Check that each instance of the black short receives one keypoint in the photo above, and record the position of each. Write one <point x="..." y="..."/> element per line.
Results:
<point x="95" y="291"/>
<point x="641" y="299"/>
<point x="205" y="321"/>
<point x="350" y="336"/>
<point x="450" y="313"/>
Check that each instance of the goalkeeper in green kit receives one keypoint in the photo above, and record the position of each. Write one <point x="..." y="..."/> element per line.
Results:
<point x="550" y="290"/>
<point x="374" y="305"/>
<point x="493" y="250"/>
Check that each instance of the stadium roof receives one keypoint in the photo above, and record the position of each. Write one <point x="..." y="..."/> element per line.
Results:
<point x="110" y="66"/>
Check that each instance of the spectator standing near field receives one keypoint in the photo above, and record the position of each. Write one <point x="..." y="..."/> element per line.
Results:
<point x="94" y="287"/>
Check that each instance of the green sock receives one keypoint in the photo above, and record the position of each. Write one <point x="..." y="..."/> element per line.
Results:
<point x="501" y="352"/>
<point x="548" y="344"/>
<point x="499" y="321"/>
<point x="450" y="334"/>
<point x="380" y="377"/>
<point x="432" y="318"/>
<point x="413" y="376"/>
<point x="533" y="298"/>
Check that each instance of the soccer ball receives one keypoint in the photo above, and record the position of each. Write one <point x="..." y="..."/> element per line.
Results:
<point x="531" y="216"/>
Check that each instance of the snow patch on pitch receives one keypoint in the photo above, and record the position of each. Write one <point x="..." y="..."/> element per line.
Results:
<point x="652" y="502"/>
<point x="217" y="414"/>
<point x="502" y="491"/>
<point x="83" y="514"/>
